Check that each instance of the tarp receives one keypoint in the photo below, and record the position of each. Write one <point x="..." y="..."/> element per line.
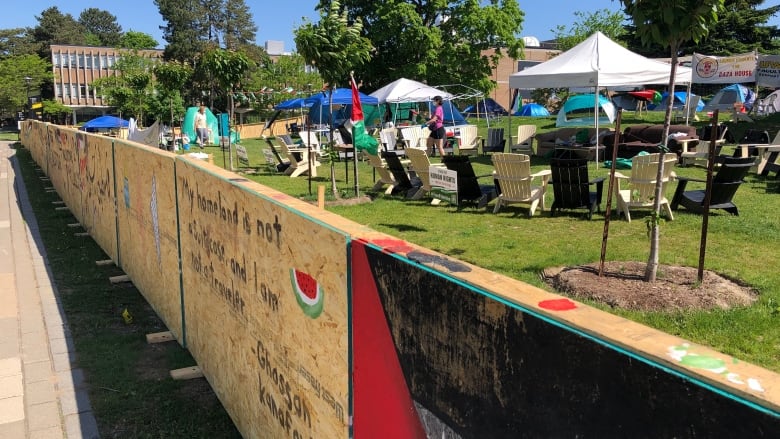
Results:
<point x="150" y="136"/>
<point x="188" y="128"/>
<point x="451" y="114"/>
<point x="597" y="62"/>
<point x="105" y="122"/>
<point x="726" y="97"/>
<point x="533" y="110"/>
<point x="342" y="107"/>
<point x="571" y="114"/>
<point x="486" y="106"/>
<point x="407" y="90"/>
<point x="293" y="104"/>
<point x="679" y="101"/>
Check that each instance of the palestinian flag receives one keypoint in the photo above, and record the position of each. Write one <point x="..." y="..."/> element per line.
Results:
<point x="361" y="140"/>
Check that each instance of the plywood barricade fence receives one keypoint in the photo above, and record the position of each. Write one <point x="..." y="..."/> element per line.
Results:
<point x="309" y="325"/>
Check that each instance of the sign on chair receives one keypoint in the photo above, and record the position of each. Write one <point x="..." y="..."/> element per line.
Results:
<point x="444" y="184"/>
<point x="243" y="157"/>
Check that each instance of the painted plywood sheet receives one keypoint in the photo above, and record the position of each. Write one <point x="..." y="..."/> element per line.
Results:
<point x="265" y="291"/>
<point x="148" y="228"/>
<point x="98" y="197"/>
<point x="488" y="356"/>
<point x="64" y="144"/>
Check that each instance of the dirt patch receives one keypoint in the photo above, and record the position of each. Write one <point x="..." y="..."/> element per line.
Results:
<point x="676" y="288"/>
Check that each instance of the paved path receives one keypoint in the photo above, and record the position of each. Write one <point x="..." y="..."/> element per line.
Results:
<point x="42" y="390"/>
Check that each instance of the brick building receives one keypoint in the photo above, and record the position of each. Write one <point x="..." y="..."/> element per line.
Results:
<point x="75" y="67"/>
<point x="507" y="66"/>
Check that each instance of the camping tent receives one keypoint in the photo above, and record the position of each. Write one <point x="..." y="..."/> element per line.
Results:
<point x="533" y="110"/>
<point x="451" y="114"/>
<point x="485" y="107"/>
<point x="726" y="97"/>
<point x="188" y="127"/>
<point x="679" y="101"/>
<point x="597" y="62"/>
<point x="104" y="122"/>
<point x="407" y="90"/>
<point x="571" y="112"/>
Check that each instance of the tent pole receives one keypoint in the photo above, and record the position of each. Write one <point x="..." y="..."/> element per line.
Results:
<point x="687" y="101"/>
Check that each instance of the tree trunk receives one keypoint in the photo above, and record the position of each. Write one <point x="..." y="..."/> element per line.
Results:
<point x="652" y="261"/>
<point x="229" y="143"/>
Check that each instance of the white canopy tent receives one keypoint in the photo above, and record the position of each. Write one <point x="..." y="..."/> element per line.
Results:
<point x="597" y="62"/>
<point x="406" y="90"/>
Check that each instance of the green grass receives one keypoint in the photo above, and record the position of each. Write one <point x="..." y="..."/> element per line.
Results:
<point x="520" y="247"/>
<point x="131" y="391"/>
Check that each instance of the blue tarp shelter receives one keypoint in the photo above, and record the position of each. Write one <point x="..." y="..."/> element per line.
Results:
<point x="342" y="107"/>
<point x="293" y="104"/>
<point x="533" y="110"/>
<point x="451" y="114"/>
<point x="105" y="122"/>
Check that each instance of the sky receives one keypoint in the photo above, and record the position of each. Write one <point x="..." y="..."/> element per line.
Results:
<point x="277" y="22"/>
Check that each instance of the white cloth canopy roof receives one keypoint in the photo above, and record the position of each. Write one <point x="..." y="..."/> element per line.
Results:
<point x="597" y="62"/>
<point x="407" y="90"/>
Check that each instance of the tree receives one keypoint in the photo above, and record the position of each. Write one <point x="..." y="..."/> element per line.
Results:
<point x="335" y="46"/>
<point x="670" y="23"/>
<point x="741" y="28"/>
<point x="130" y="91"/>
<point x="103" y="25"/>
<point x="239" y="26"/>
<point x="54" y="27"/>
<point x="137" y="40"/>
<point x="17" y="41"/>
<point x="182" y="30"/>
<point x="54" y="111"/>
<point x="228" y="69"/>
<point x="13" y="87"/>
<point x="171" y="78"/>
<point x="610" y="23"/>
<point x="438" y="41"/>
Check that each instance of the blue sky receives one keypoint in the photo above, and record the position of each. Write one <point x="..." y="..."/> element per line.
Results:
<point x="278" y="21"/>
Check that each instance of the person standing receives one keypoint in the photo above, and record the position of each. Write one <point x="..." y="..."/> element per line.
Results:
<point x="201" y="127"/>
<point x="436" y="125"/>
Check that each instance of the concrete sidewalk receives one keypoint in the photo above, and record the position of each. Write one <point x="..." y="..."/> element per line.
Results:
<point x="42" y="390"/>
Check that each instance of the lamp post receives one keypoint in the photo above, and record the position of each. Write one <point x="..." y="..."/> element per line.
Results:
<point x="27" y="105"/>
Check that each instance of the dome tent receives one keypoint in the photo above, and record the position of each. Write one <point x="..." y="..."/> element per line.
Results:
<point x="680" y="97"/>
<point x="533" y="110"/>
<point x="187" y="126"/>
<point x="726" y="97"/>
<point x="578" y="111"/>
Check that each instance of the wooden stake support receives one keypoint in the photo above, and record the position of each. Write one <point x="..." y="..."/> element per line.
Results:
<point x="119" y="279"/>
<point x="104" y="262"/>
<point x="187" y="373"/>
<point x="61" y="208"/>
<point x="74" y="225"/>
<point x="159" y="337"/>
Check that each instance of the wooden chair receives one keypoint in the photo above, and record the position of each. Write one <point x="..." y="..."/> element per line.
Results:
<point x="688" y="112"/>
<point x="725" y="183"/>
<point x="571" y="186"/>
<point x="420" y="164"/>
<point x="701" y="151"/>
<point x="495" y="141"/>
<point x="388" y="139"/>
<point x="641" y="184"/>
<point x="299" y="159"/>
<point x="415" y="137"/>
<point x="272" y="157"/>
<point x="311" y="139"/>
<point x="401" y="179"/>
<point x="468" y="140"/>
<point x="469" y="189"/>
<point x="514" y="180"/>
<point x="524" y="141"/>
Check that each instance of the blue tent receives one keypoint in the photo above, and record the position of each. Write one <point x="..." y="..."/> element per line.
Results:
<point x="451" y="114"/>
<point x="342" y="106"/>
<point x="533" y="110"/>
<point x="104" y="122"/>
<point x="679" y="101"/>
<point x="292" y="104"/>
<point x="730" y="95"/>
<point x="486" y="106"/>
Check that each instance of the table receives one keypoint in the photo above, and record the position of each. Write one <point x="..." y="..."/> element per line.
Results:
<point x="579" y="150"/>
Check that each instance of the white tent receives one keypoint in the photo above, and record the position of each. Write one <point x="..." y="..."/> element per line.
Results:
<point x="597" y="62"/>
<point x="407" y="90"/>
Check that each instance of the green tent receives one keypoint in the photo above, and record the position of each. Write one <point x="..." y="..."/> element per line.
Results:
<point x="211" y="120"/>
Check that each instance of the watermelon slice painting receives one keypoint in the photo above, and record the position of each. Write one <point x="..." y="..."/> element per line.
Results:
<point x="308" y="293"/>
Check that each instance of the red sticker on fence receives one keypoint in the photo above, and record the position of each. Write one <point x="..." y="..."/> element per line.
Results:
<point x="557" y="304"/>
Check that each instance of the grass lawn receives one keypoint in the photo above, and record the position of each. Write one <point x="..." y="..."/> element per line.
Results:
<point x="520" y="247"/>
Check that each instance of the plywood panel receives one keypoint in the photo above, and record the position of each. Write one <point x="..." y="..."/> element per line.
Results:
<point x="148" y="229"/>
<point x="64" y="145"/>
<point x="277" y="360"/>
<point x="98" y="197"/>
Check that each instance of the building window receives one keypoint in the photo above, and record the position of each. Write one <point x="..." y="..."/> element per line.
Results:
<point x="57" y="90"/>
<point x="55" y="59"/>
<point x="74" y="92"/>
<point x="104" y="62"/>
<point x="111" y="61"/>
<point x="65" y="90"/>
<point x="72" y="60"/>
<point x="88" y="64"/>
